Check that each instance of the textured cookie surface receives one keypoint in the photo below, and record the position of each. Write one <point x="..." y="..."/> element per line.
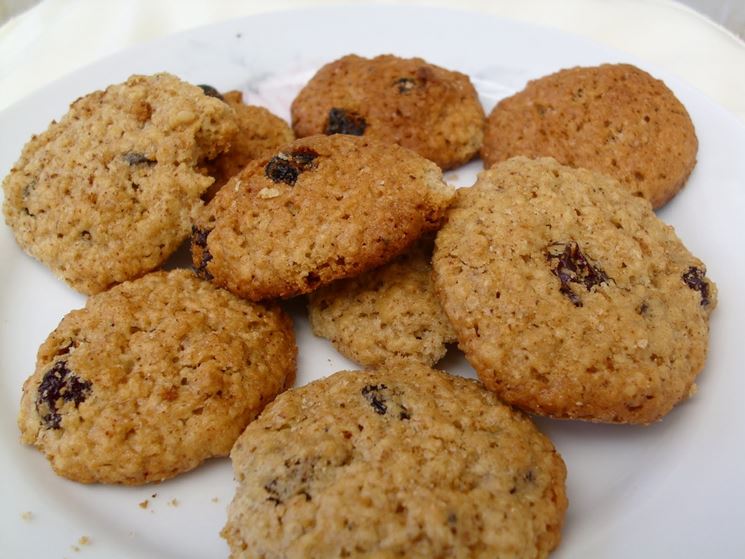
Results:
<point x="569" y="297"/>
<point x="153" y="377"/>
<point x="385" y="315"/>
<point x="614" y="118"/>
<point x="394" y="463"/>
<point x="428" y="109"/>
<point x="259" y="131"/>
<point x="107" y="193"/>
<point x="322" y="208"/>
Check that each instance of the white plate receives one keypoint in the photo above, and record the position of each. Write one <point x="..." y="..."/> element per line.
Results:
<point x="674" y="489"/>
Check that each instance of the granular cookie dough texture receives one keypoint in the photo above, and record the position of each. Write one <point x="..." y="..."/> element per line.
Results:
<point x="259" y="131"/>
<point x="615" y="119"/>
<point x="431" y="110"/>
<point x="405" y="462"/>
<point x="569" y="297"/>
<point x="320" y="209"/>
<point x="385" y="315"/>
<point x="153" y="377"/>
<point x="107" y="193"/>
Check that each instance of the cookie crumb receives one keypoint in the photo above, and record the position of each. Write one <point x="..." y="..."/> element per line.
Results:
<point x="215" y="500"/>
<point x="84" y="540"/>
<point x="173" y="503"/>
<point x="27" y="516"/>
<point x="144" y="504"/>
<point x="75" y="548"/>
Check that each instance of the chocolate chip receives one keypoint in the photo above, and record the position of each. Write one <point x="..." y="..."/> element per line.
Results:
<point x="286" y="167"/>
<point x="271" y="488"/>
<point x="695" y="278"/>
<point x="59" y="383"/>
<point x="342" y="121"/>
<point x="405" y="85"/>
<point x="199" y="248"/>
<point x="571" y="266"/>
<point x="86" y="235"/>
<point x="134" y="158"/>
<point x="372" y="394"/>
<point x="404" y="413"/>
<point x="210" y="91"/>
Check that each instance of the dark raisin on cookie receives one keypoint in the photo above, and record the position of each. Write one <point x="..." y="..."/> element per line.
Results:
<point x="210" y="91"/>
<point x="59" y="383"/>
<point x="342" y="121"/>
<point x="405" y="85"/>
<point x="199" y="240"/>
<point x="286" y="167"/>
<point x="135" y="158"/>
<point x="695" y="278"/>
<point x="372" y="393"/>
<point x="571" y="266"/>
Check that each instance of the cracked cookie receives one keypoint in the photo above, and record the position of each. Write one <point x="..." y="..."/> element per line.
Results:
<point x="398" y="462"/>
<point x="153" y="377"/>
<point x="569" y="296"/>
<point x="107" y="193"/>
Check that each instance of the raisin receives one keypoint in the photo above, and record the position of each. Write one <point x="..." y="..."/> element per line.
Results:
<point x="134" y="158"/>
<point x="341" y="121"/>
<point x="695" y="278"/>
<point x="85" y="235"/>
<point x="286" y="167"/>
<point x="210" y="91"/>
<point x="199" y="240"/>
<point x="572" y="266"/>
<point x="58" y="382"/>
<point x="404" y="414"/>
<point x="405" y="85"/>
<point x="372" y="394"/>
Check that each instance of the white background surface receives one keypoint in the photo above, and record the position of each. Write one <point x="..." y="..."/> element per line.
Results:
<point x="671" y="490"/>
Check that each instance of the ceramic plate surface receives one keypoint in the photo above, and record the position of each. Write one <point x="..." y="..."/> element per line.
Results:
<point x="674" y="489"/>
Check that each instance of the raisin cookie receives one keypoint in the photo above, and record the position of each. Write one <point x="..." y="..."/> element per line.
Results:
<point x="259" y="131"/>
<point x="394" y="463"/>
<point x="428" y="109"/>
<point x="388" y="314"/>
<point x="569" y="297"/>
<point x="320" y="209"/>
<point x="107" y="193"/>
<point x="615" y="119"/>
<point x="153" y="377"/>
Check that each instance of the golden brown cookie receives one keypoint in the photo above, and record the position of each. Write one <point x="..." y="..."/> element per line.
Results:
<point x="615" y="119"/>
<point x="259" y="132"/>
<point x="153" y="377"/>
<point x="320" y="209"/>
<point x="400" y="462"/>
<point x="385" y="315"/>
<point x="428" y="109"/>
<point x="107" y="193"/>
<point x="569" y="297"/>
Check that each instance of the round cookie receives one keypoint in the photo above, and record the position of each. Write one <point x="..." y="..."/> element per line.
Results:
<point x="320" y="209"/>
<point x="107" y="193"/>
<point x="569" y="297"/>
<point x="428" y="109"/>
<point x="405" y="462"/>
<point x="385" y="315"/>
<point x="615" y="119"/>
<point x="153" y="377"/>
<point x="259" y="131"/>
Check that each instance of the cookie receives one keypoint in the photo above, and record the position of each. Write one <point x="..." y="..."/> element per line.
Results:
<point x="320" y="209"/>
<point x="615" y="119"/>
<point x="569" y="297"/>
<point x="153" y="377"/>
<point x="405" y="462"/>
<point x="107" y="193"/>
<point x="259" y="131"/>
<point x="428" y="109"/>
<point x="385" y="315"/>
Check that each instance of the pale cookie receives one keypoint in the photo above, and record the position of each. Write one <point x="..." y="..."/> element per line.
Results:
<point x="431" y="110"/>
<point x="320" y="209"/>
<point x="388" y="314"/>
<point x="107" y="194"/>
<point x="614" y="118"/>
<point x="259" y="131"/>
<point x="153" y="377"/>
<point x="569" y="297"/>
<point x="400" y="462"/>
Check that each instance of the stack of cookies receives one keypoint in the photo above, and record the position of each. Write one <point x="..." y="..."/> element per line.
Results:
<point x="565" y="292"/>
